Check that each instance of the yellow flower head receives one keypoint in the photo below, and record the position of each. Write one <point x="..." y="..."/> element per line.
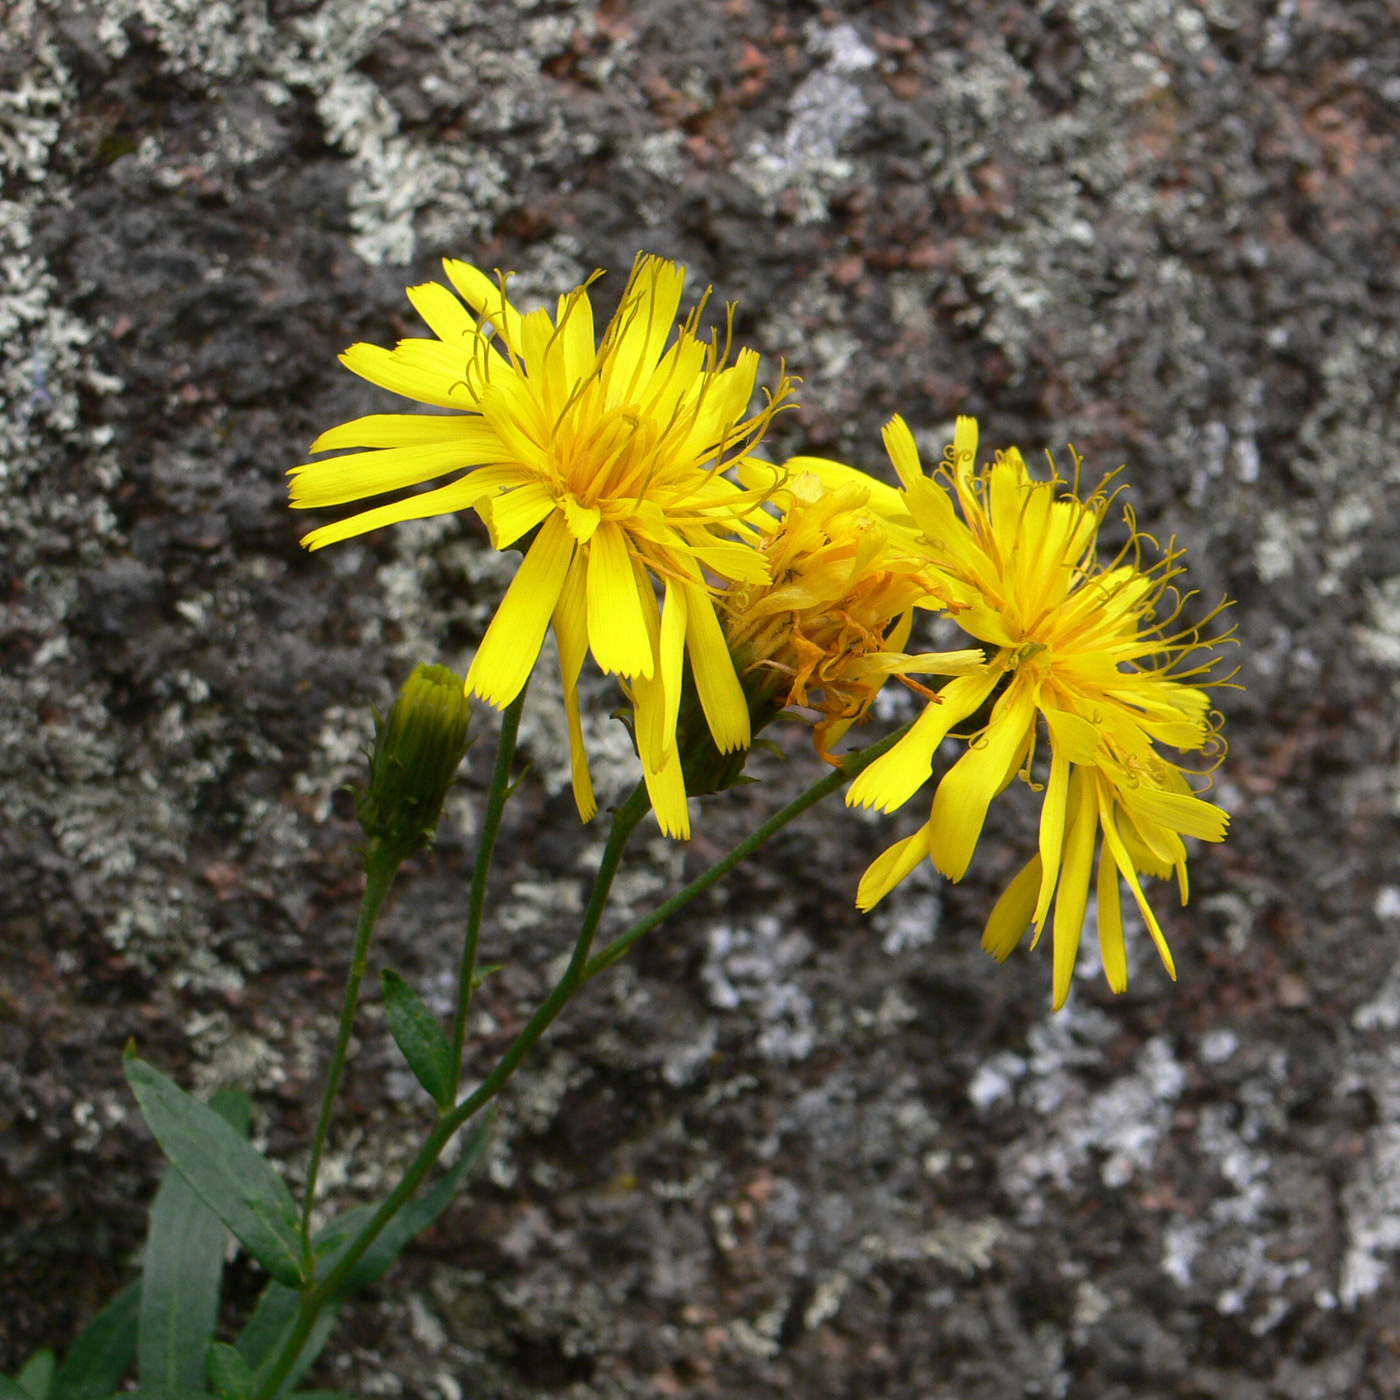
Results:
<point x="613" y="450"/>
<point x="1074" y="644"/>
<point x="830" y="627"/>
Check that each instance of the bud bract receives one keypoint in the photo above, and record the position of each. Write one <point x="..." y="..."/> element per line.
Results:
<point x="417" y="751"/>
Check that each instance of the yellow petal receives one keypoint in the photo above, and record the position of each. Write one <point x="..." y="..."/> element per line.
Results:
<point x="960" y="804"/>
<point x="904" y="452"/>
<point x="639" y="331"/>
<point x="1076" y="738"/>
<point x="1125" y="864"/>
<point x="575" y="322"/>
<point x="1011" y="915"/>
<point x="965" y="458"/>
<point x="1073" y="897"/>
<point x="895" y="777"/>
<point x="315" y="485"/>
<point x="884" y="501"/>
<point x="1111" y="949"/>
<point x="583" y="520"/>
<point x="666" y="788"/>
<point x="571" y="633"/>
<point x="511" y="645"/>
<point x="891" y="866"/>
<point x="433" y="386"/>
<point x="721" y="695"/>
<point x="447" y="318"/>
<point x="461" y="494"/>
<point x="672" y="656"/>
<point x="401" y="430"/>
<point x="515" y="512"/>
<point x="1052" y="834"/>
<point x="1189" y="815"/>
<point x="935" y="663"/>
<point x="617" y="629"/>
<point x="483" y="295"/>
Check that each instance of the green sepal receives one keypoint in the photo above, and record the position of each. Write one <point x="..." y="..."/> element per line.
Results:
<point x="419" y="1035"/>
<point x="36" y="1376"/>
<point x="99" y="1357"/>
<point x="275" y="1315"/>
<point x="228" y="1174"/>
<point x="229" y="1374"/>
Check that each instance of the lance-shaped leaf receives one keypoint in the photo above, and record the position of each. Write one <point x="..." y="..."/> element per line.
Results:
<point x="233" y="1179"/>
<point x="418" y="1033"/>
<point x="181" y="1276"/>
<point x="229" y="1373"/>
<point x="36" y="1376"/>
<point x="98" y="1359"/>
<point x="267" y="1329"/>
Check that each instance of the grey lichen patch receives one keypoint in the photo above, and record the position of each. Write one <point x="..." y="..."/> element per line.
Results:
<point x="754" y="967"/>
<point x="1118" y="1127"/>
<point x="807" y="162"/>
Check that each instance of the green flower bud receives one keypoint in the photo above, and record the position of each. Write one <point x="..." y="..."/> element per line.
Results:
<point x="417" y="751"/>
<point x="706" y="769"/>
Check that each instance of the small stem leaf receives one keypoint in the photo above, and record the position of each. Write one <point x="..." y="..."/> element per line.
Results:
<point x="418" y="1034"/>
<point x="234" y="1180"/>
<point x="36" y="1378"/>
<point x="482" y="973"/>
<point x="229" y="1374"/>
<point x="97" y="1360"/>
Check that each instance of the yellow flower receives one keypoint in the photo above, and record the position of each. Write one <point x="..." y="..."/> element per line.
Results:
<point x="1078" y="646"/>
<point x="614" y="451"/>
<point x="830" y="628"/>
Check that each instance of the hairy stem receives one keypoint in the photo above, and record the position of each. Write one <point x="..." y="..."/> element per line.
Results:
<point x="379" y="876"/>
<point x="580" y="969"/>
<point x="850" y="766"/>
<point x="625" y="820"/>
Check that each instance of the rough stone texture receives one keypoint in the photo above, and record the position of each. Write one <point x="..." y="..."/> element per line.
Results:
<point x="786" y="1150"/>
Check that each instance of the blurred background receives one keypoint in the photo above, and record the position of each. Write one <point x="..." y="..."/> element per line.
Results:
<point x="785" y="1150"/>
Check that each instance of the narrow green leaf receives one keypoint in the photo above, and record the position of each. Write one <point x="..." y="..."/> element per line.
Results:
<point x="182" y="1275"/>
<point x="36" y="1379"/>
<point x="180" y="1280"/>
<point x="419" y="1035"/>
<point x="234" y="1180"/>
<point x="275" y="1314"/>
<point x="235" y="1108"/>
<point x="229" y="1373"/>
<point x="97" y="1360"/>
<point x="12" y="1390"/>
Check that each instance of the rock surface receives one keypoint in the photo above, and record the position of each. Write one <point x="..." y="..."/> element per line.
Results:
<point x="785" y="1150"/>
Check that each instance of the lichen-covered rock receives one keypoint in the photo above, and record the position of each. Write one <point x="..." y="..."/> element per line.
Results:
<point x="784" y="1150"/>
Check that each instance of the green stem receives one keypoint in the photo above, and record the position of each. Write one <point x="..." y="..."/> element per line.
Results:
<point x="486" y="847"/>
<point x="379" y="876"/>
<point x="850" y="766"/>
<point x="625" y="821"/>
